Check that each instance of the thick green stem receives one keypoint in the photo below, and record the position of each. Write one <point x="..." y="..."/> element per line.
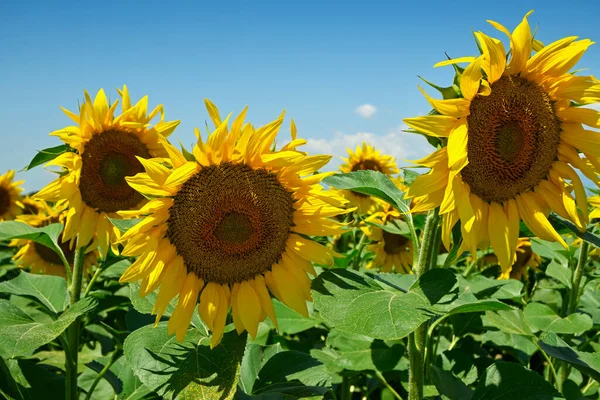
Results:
<point x="387" y="385"/>
<point x="574" y="297"/>
<point x="73" y="330"/>
<point x="417" y="339"/>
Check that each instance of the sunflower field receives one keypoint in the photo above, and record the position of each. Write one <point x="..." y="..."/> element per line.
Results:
<point x="243" y="268"/>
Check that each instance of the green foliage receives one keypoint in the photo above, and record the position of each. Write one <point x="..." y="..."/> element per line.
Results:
<point x="181" y="369"/>
<point x="47" y="155"/>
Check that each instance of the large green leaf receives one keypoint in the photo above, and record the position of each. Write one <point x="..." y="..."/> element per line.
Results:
<point x="510" y="381"/>
<point x="355" y="303"/>
<point x="118" y="380"/>
<point x="24" y="379"/>
<point x="589" y="237"/>
<point x="47" y="235"/>
<point x="50" y="291"/>
<point x="543" y="318"/>
<point x="189" y="369"/>
<point x="373" y="183"/>
<point x="588" y="363"/>
<point x="560" y="272"/>
<point x="290" y="322"/>
<point x="353" y="352"/>
<point x="303" y="372"/>
<point x="483" y="287"/>
<point x="449" y="385"/>
<point x="46" y="155"/>
<point x="512" y="321"/>
<point x="20" y="334"/>
<point x="521" y="347"/>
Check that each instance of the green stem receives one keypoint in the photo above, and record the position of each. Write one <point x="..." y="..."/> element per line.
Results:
<point x="574" y="297"/>
<point x="115" y="356"/>
<point x="387" y="385"/>
<point x="96" y="275"/>
<point x="469" y="268"/>
<point x="345" y="389"/>
<point x="550" y="364"/>
<point x="357" y="256"/>
<point x="417" y="339"/>
<point x="73" y="329"/>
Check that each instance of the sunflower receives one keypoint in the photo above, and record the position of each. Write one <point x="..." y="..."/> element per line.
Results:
<point x="9" y="196"/>
<point x="41" y="259"/>
<point x="393" y="251"/>
<point x="106" y="150"/>
<point x="514" y="139"/>
<point x="231" y="226"/>
<point x="365" y="157"/>
<point x="31" y="206"/>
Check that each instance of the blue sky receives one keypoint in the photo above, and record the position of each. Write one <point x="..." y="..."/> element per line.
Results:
<point x="318" y="61"/>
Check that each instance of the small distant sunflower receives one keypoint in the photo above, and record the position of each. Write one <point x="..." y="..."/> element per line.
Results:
<point x="514" y="139"/>
<point x="41" y="259"/>
<point x="32" y="207"/>
<point x="106" y="151"/>
<point x="365" y="157"/>
<point x="525" y="258"/>
<point x="230" y="227"/>
<point x="393" y="252"/>
<point x="9" y="196"/>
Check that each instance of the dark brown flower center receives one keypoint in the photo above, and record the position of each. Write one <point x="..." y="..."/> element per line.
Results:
<point x="108" y="158"/>
<point x="513" y="137"/>
<point x="4" y="201"/>
<point x="394" y="244"/>
<point x="50" y="256"/>
<point x="230" y="222"/>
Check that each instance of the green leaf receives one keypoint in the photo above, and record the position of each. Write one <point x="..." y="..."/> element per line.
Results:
<point x="251" y="363"/>
<point x="510" y="381"/>
<point x="50" y="291"/>
<point x="449" y="385"/>
<point x="124" y="224"/>
<point x="396" y="226"/>
<point x="47" y="235"/>
<point x="46" y="155"/>
<point x="587" y="236"/>
<point x="483" y="287"/>
<point x="560" y="272"/>
<point x="358" y="353"/>
<point x="20" y="334"/>
<point x="409" y="176"/>
<point x="290" y="322"/>
<point x="588" y="363"/>
<point x="355" y="303"/>
<point x="292" y="367"/>
<point x="518" y="345"/>
<point x="189" y="369"/>
<point x="468" y="306"/>
<point x="542" y="318"/>
<point x="512" y="321"/>
<point x="549" y="250"/>
<point x="373" y="183"/>
<point x="24" y="379"/>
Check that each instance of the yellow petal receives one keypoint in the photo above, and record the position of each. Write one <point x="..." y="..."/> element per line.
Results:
<point x="457" y="108"/>
<point x="249" y="308"/>
<point x="432" y="125"/>
<point x="498" y="229"/>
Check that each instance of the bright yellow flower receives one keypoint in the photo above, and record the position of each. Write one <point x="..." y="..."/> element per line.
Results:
<point x="107" y="149"/>
<point x="514" y="139"/>
<point x="41" y="259"/>
<point x="231" y="226"/>
<point x="365" y="157"/>
<point x="393" y="252"/>
<point x="31" y="206"/>
<point x="9" y="196"/>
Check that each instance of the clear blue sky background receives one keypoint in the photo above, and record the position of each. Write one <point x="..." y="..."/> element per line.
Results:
<point x="319" y="61"/>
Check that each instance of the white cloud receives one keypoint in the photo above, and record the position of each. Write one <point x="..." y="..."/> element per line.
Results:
<point x="397" y="143"/>
<point x="366" y="110"/>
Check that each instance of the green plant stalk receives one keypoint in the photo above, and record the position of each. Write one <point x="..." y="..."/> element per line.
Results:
<point x="550" y="364"/>
<point x="357" y="257"/>
<point x="574" y="296"/>
<point x="115" y="356"/>
<point x="417" y="339"/>
<point x="73" y="330"/>
<point x="573" y="301"/>
<point x="387" y="385"/>
<point x="96" y="275"/>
